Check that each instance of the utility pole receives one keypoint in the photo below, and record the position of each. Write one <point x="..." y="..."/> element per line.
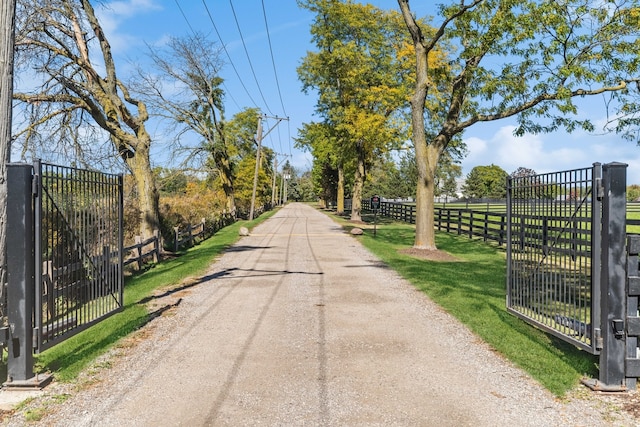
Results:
<point x="7" y="41"/>
<point x="255" y="175"/>
<point x="286" y="177"/>
<point x="275" y="193"/>
<point x="281" y="195"/>
<point x="259" y="137"/>
<point x="273" y="185"/>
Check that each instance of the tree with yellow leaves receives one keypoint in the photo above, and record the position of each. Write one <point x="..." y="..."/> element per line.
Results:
<point x="362" y="74"/>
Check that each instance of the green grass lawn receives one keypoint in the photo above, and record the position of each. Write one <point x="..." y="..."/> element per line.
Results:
<point x="473" y="290"/>
<point x="633" y="214"/>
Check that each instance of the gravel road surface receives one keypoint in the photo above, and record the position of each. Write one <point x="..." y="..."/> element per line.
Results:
<point x="299" y="325"/>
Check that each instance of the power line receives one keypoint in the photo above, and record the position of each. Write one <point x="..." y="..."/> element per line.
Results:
<point x="235" y="17"/>
<point x="289" y="130"/>
<point x="184" y="16"/>
<point x="226" y="91"/>
<point x="273" y="62"/>
<point x="271" y="138"/>
<point x="235" y="69"/>
<point x="229" y="56"/>
<point x="275" y="73"/>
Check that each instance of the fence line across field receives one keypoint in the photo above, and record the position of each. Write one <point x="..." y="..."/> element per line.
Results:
<point x="484" y="220"/>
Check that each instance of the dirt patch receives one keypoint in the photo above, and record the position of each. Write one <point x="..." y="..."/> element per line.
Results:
<point x="430" y="255"/>
<point x="631" y="403"/>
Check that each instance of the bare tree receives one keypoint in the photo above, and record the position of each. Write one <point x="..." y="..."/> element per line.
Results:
<point x="77" y="88"/>
<point x="186" y="90"/>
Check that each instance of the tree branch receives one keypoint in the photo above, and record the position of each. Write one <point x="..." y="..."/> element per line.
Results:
<point x="539" y="99"/>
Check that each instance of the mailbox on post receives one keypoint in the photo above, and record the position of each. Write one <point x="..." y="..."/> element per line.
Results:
<point x="375" y="203"/>
<point x="375" y="206"/>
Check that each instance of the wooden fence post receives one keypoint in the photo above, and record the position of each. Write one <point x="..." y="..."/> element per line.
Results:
<point x="138" y="241"/>
<point x="190" y="231"/>
<point x="485" y="230"/>
<point x="156" y="245"/>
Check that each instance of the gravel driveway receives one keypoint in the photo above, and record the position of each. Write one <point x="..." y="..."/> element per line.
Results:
<point x="298" y="324"/>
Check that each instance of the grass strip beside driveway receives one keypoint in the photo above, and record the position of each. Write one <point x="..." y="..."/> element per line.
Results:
<point x="473" y="289"/>
<point x="67" y="359"/>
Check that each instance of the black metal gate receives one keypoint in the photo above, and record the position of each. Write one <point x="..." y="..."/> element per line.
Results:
<point x="552" y="233"/>
<point x="78" y="243"/>
<point x="567" y="267"/>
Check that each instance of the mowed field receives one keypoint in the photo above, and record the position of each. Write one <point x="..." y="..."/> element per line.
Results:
<point x="633" y="211"/>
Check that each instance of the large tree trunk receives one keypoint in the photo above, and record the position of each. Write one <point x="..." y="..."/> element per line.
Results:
<point x="226" y="177"/>
<point x="358" y="185"/>
<point x="427" y="157"/>
<point x="148" y="198"/>
<point x="340" y="196"/>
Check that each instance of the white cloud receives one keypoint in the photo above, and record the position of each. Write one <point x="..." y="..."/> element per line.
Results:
<point x="477" y="148"/>
<point x="132" y="7"/>
<point x="504" y="149"/>
<point x="550" y="153"/>
<point x="513" y="151"/>
<point x="113" y="14"/>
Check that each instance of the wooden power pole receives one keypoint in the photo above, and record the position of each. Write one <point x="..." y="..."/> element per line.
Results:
<point x="273" y="184"/>
<point x="7" y="42"/>
<point x="259" y="138"/>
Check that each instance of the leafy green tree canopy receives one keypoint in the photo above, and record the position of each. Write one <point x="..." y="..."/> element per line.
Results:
<point x="633" y="193"/>
<point x="523" y="172"/>
<point x="486" y="182"/>
<point x="529" y="60"/>
<point x="361" y="73"/>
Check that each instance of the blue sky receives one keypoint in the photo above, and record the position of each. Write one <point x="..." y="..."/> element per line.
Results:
<point x="130" y="24"/>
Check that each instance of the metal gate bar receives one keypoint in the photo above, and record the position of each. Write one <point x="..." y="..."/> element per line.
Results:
<point x="549" y="253"/>
<point x="78" y="218"/>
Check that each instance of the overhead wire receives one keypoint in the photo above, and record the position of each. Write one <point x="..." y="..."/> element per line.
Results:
<point x="275" y="73"/>
<point x="235" y="69"/>
<point x="228" y="56"/>
<point x="244" y="45"/>
<point x="273" y="62"/>
<point x="226" y="90"/>
<point x="185" y="17"/>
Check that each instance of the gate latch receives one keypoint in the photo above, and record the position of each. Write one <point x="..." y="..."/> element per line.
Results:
<point x="618" y="328"/>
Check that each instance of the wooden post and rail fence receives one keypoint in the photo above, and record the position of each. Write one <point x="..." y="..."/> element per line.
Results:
<point x="150" y="249"/>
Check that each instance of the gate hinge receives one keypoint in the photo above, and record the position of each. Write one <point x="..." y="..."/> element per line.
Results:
<point x="4" y="336"/>
<point x="597" y="336"/>
<point x="599" y="189"/>
<point x="34" y="184"/>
